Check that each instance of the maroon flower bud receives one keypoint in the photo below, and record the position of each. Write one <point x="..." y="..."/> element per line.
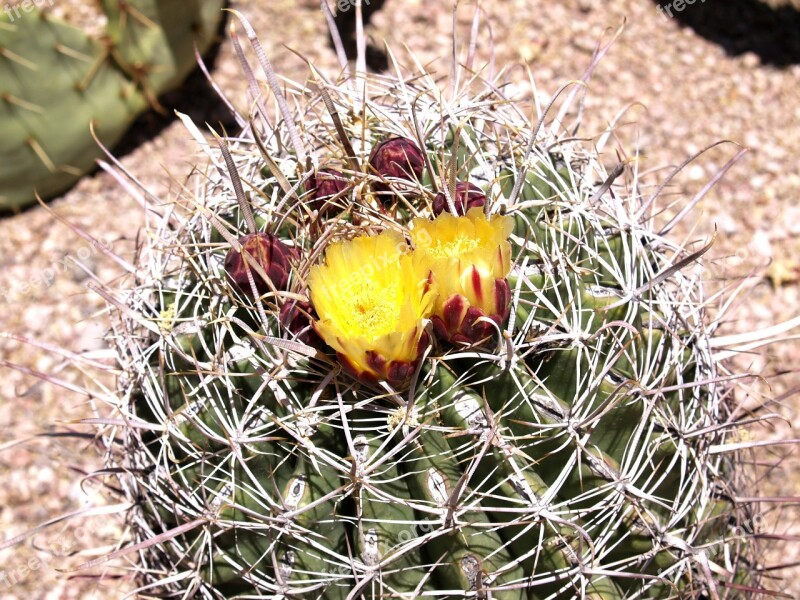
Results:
<point x="398" y="158"/>
<point x="467" y="196"/>
<point x="269" y="253"/>
<point x="461" y="323"/>
<point x="324" y="185"/>
<point x="297" y="317"/>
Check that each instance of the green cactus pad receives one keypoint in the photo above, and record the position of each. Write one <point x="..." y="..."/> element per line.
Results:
<point x="154" y="40"/>
<point x="54" y="81"/>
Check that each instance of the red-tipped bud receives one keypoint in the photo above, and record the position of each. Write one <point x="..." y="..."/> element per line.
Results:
<point x="269" y="253"/>
<point x="398" y="158"/>
<point x="460" y="323"/>
<point x="467" y="196"/>
<point x="297" y="317"/>
<point x="324" y="185"/>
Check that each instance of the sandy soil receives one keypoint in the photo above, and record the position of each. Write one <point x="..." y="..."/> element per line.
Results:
<point x="689" y="92"/>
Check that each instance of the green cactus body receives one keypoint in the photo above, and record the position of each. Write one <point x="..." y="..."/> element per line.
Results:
<point x="567" y="457"/>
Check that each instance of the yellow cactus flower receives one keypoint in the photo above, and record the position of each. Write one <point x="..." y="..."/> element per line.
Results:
<point x="470" y="258"/>
<point x="371" y="296"/>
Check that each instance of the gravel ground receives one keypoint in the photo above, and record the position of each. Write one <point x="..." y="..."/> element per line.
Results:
<point x="685" y="92"/>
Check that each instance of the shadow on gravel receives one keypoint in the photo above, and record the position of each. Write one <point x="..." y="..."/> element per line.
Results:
<point x="740" y="26"/>
<point x="346" y="24"/>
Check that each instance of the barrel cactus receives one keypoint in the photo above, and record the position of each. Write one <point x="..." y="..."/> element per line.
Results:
<point x="407" y="342"/>
<point x="57" y="80"/>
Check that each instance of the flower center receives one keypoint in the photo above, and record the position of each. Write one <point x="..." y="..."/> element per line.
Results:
<point x="371" y="312"/>
<point x="455" y="246"/>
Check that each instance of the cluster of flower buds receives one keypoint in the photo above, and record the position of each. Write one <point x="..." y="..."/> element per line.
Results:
<point x="268" y="261"/>
<point x="371" y="295"/>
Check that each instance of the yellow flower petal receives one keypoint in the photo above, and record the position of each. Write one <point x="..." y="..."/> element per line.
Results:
<point x="466" y="254"/>
<point x="371" y="297"/>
